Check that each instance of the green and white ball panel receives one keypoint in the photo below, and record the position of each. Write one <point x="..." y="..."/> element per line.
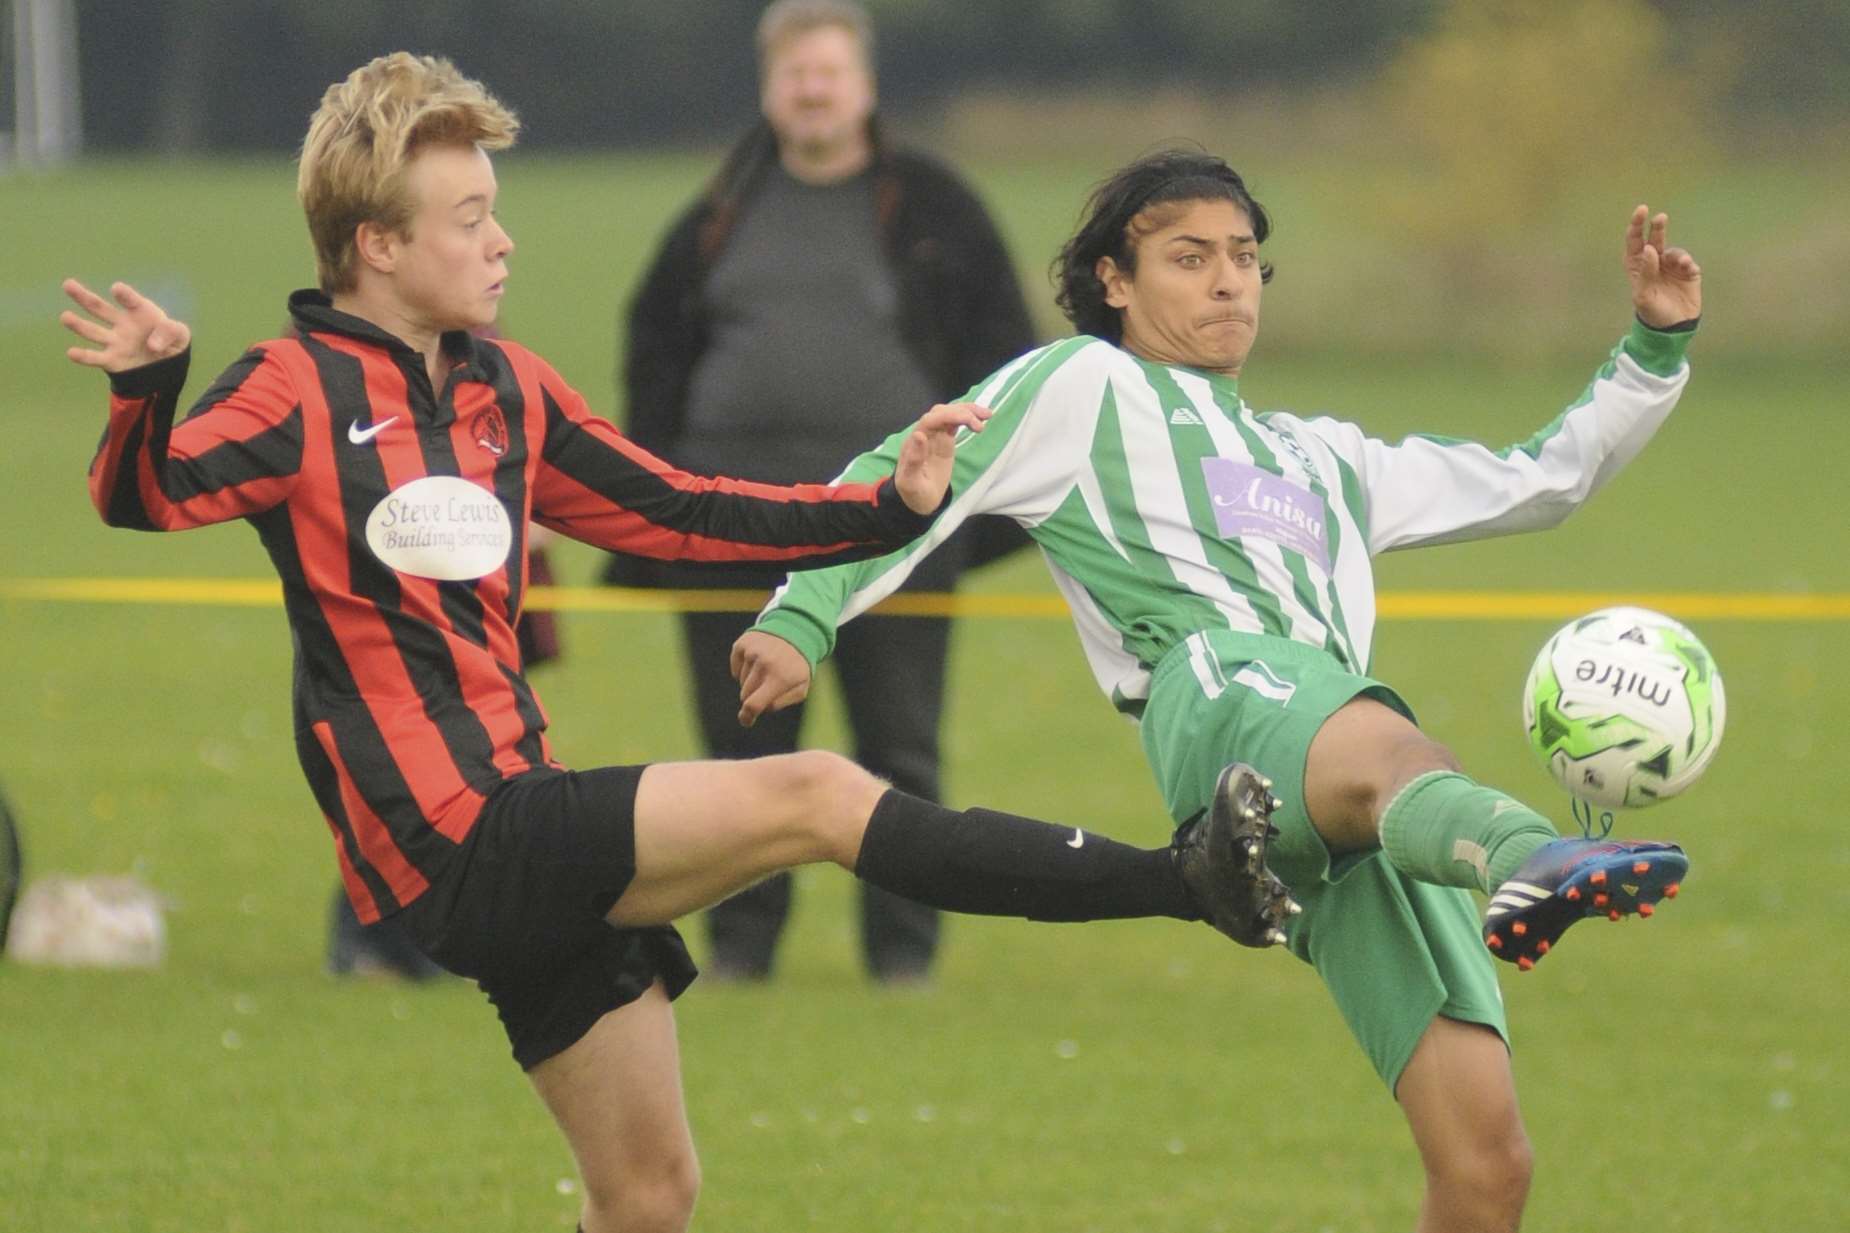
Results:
<point x="1624" y="707"/>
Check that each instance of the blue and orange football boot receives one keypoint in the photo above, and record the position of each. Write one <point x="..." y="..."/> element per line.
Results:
<point x="1574" y="878"/>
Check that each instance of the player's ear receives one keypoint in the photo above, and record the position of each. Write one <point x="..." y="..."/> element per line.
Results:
<point x="1113" y="280"/>
<point x="375" y="246"/>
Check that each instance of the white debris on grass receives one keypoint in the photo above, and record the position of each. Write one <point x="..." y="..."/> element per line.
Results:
<point x="89" y="922"/>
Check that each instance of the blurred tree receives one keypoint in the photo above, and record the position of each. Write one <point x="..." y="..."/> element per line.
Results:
<point x="1515" y="100"/>
<point x="188" y="74"/>
<point x="1783" y="62"/>
<point x="196" y="74"/>
<point x="1218" y="45"/>
<point x="193" y="74"/>
<point x="1503" y="127"/>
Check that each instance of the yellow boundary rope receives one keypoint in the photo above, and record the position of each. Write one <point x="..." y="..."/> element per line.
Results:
<point x="1392" y="605"/>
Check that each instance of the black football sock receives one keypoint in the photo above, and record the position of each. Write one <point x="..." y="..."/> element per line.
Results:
<point x="987" y="863"/>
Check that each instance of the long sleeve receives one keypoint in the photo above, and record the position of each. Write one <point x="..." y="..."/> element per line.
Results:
<point x="237" y="453"/>
<point x="1025" y="462"/>
<point x="594" y="484"/>
<point x="1435" y="490"/>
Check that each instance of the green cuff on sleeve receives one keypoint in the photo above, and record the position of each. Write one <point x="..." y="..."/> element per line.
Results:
<point x="1658" y="352"/>
<point x="800" y="630"/>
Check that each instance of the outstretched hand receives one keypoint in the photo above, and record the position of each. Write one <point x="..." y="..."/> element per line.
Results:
<point x="771" y="673"/>
<point x="129" y="333"/>
<point x="1666" y="282"/>
<point x="924" y="470"/>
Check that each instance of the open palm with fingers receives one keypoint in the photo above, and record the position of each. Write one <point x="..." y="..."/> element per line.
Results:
<point x="128" y="333"/>
<point x="1666" y="282"/>
<point x="923" y="473"/>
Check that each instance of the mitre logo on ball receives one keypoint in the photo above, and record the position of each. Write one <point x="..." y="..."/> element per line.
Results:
<point x="1624" y="707"/>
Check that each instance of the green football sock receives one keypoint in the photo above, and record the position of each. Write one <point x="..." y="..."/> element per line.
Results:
<point x="1445" y="828"/>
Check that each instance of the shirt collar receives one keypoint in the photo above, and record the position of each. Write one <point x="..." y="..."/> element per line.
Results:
<point x="311" y="310"/>
<point x="1221" y="382"/>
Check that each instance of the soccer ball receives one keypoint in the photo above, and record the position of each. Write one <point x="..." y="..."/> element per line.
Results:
<point x="1624" y="707"/>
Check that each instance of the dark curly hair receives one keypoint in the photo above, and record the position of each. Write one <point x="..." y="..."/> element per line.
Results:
<point x="1104" y="231"/>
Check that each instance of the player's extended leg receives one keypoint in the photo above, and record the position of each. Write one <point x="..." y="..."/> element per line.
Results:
<point x="1459" y="1097"/>
<point x="1363" y="756"/>
<point x="616" y="1093"/>
<point x="1373" y="778"/>
<point x="705" y="829"/>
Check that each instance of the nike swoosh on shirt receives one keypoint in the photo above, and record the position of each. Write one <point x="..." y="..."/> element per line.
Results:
<point x="360" y="436"/>
<point x="1078" y="840"/>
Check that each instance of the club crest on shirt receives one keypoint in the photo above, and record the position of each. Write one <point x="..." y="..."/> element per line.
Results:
<point x="489" y="428"/>
<point x="1297" y="451"/>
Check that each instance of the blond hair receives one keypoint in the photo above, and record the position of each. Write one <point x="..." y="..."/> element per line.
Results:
<point x="364" y="135"/>
<point x="786" y="19"/>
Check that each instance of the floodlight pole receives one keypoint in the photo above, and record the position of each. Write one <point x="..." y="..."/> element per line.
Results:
<point x="47" y="117"/>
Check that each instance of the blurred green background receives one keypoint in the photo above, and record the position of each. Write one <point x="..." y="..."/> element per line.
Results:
<point x="1449" y="205"/>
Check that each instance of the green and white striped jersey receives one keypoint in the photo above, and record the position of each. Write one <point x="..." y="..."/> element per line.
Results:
<point x="1166" y="506"/>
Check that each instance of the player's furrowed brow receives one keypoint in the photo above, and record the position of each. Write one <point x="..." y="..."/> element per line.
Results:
<point x="1233" y="241"/>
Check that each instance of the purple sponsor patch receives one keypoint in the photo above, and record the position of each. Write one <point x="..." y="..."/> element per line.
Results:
<point x="1250" y="501"/>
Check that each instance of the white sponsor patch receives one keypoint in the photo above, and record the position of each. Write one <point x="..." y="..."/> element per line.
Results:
<point x="440" y="527"/>
<point x="1249" y="500"/>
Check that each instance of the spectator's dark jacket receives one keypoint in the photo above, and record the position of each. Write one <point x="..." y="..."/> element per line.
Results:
<point x="961" y="307"/>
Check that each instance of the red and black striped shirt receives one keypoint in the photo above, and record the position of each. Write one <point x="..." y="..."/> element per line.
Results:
<point x="396" y="517"/>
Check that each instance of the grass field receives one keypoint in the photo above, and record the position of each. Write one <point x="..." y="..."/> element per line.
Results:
<point x="1685" y="1074"/>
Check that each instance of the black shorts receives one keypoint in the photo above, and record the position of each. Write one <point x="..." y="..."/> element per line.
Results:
<point x="521" y="909"/>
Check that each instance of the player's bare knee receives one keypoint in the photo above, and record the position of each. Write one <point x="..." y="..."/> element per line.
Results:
<point x="1415" y="754"/>
<point x="1412" y="754"/>
<point x="1439" y="757"/>
<point x="836" y="796"/>
<point x="659" y="1199"/>
<point x="1508" y="1168"/>
<point x="1359" y="762"/>
<point x="1490" y="1177"/>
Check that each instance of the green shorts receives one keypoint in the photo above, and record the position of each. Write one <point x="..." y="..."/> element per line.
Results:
<point x="1392" y="951"/>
